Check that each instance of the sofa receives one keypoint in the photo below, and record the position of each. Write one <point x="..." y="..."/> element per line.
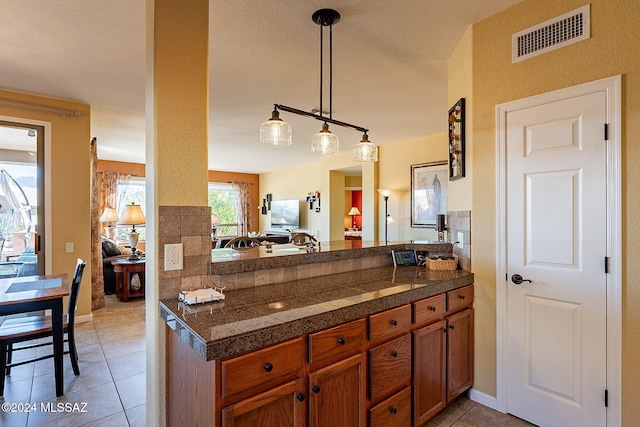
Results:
<point x="110" y="252"/>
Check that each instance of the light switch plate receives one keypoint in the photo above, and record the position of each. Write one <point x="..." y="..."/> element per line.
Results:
<point x="68" y="247"/>
<point x="173" y="257"/>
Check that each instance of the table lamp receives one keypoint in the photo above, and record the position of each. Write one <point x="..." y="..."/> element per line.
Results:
<point x="133" y="216"/>
<point x="109" y="216"/>
<point x="353" y="212"/>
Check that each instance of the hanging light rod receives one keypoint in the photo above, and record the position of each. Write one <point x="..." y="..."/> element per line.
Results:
<point x="319" y="117"/>
<point x="276" y="132"/>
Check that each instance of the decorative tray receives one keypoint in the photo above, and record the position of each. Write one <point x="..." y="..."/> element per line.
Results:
<point x="201" y="296"/>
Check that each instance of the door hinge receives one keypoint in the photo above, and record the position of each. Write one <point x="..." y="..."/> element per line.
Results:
<point x="606" y="398"/>
<point x="606" y="264"/>
<point x="606" y="131"/>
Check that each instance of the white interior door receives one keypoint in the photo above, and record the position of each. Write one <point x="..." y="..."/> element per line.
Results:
<point x="556" y="213"/>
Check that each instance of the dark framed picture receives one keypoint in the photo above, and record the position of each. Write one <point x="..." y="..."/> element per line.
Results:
<point x="456" y="141"/>
<point x="404" y="257"/>
<point x="429" y="184"/>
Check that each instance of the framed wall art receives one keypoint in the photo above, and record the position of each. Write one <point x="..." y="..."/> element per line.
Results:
<point x="429" y="183"/>
<point x="456" y="141"/>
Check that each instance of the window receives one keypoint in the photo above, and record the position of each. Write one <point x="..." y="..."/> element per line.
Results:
<point x="223" y="201"/>
<point x="127" y="192"/>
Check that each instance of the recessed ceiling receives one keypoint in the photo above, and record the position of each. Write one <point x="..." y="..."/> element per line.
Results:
<point x="389" y="69"/>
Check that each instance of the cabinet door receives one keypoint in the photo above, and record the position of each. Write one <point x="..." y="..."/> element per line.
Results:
<point x="429" y="371"/>
<point x="459" y="353"/>
<point x="337" y="394"/>
<point x="282" y="406"/>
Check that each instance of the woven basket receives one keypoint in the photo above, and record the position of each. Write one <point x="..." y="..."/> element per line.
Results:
<point x="442" y="264"/>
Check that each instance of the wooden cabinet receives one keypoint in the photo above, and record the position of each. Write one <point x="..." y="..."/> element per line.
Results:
<point x="443" y="355"/>
<point x="399" y="367"/>
<point x="459" y="353"/>
<point x="337" y="394"/>
<point x="429" y="371"/>
<point x="285" y="405"/>
<point x="393" y="412"/>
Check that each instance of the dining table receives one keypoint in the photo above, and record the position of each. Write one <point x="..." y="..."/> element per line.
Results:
<point x="35" y="293"/>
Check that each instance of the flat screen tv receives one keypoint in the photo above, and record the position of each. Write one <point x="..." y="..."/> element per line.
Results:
<point x="285" y="214"/>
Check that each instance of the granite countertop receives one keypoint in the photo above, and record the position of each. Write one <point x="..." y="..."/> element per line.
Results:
<point x="256" y="317"/>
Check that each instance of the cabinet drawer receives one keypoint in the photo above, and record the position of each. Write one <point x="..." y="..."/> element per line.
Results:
<point x="459" y="298"/>
<point x="338" y="342"/>
<point x="429" y="309"/>
<point x="262" y="369"/>
<point x="395" y="411"/>
<point x="389" y="366"/>
<point x="390" y="323"/>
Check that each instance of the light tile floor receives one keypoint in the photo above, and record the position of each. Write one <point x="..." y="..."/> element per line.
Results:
<point x="111" y="355"/>
<point x="112" y="380"/>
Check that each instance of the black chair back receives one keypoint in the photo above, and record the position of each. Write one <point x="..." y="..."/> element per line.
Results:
<point x="75" y="290"/>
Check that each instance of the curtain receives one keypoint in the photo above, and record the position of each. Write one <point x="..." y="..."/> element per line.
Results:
<point x="108" y="185"/>
<point x="244" y="206"/>
<point x="97" y="279"/>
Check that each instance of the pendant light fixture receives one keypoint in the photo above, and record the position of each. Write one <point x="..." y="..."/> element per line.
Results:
<point x="278" y="133"/>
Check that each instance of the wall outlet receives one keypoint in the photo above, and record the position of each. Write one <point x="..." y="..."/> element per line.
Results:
<point x="460" y="240"/>
<point x="173" y="256"/>
<point x="68" y="247"/>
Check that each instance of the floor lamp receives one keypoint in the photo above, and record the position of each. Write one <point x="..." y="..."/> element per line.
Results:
<point x="387" y="218"/>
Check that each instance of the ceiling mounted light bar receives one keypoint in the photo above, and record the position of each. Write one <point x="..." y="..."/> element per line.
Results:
<point x="278" y="133"/>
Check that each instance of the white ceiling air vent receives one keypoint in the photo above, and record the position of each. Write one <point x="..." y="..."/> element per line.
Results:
<point x="553" y="34"/>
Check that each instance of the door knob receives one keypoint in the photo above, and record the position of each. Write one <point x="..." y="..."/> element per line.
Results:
<point x="517" y="279"/>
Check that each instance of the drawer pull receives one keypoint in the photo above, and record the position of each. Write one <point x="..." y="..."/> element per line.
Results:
<point x="451" y="327"/>
<point x="393" y="410"/>
<point x="394" y="322"/>
<point x="462" y="297"/>
<point x="394" y="353"/>
<point x="300" y="397"/>
<point x="432" y="308"/>
<point x="342" y="341"/>
<point x="315" y="389"/>
<point x="268" y="367"/>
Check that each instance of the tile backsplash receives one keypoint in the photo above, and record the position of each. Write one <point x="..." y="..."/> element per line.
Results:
<point x="460" y="222"/>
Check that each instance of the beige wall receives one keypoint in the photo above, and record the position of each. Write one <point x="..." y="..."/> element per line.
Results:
<point x="612" y="50"/>
<point x="395" y="174"/>
<point x="69" y="191"/>
<point x="293" y="183"/>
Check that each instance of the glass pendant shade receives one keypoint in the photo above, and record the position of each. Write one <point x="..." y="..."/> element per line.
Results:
<point x="365" y="151"/>
<point x="324" y="142"/>
<point x="275" y="131"/>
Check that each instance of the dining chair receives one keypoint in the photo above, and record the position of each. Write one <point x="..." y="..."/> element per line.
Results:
<point x="242" y="242"/>
<point x="302" y="239"/>
<point x="30" y="328"/>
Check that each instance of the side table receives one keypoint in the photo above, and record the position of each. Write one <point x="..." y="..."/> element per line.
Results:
<point x="124" y="270"/>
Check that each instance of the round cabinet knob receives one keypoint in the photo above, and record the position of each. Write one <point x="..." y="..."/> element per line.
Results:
<point x="393" y="410"/>
<point x="300" y="397"/>
<point x="315" y="389"/>
<point x="342" y="341"/>
<point x="268" y="367"/>
<point x="394" y="353"/>
<point x="451" y="327"/>
<point x="432" y="308"/>
<point x="394" y="322"/>
<point x="461" y="297"/>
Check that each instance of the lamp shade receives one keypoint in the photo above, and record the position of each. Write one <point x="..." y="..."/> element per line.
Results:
<point x="324" y="142"/>
<point x="132" y="215"/>
<point x="275" y="131"/>
<point x="354" y="211"/>
<point x="109" y="215"/>
<point x="384" y="192"/>
<point x="365" y="151"/>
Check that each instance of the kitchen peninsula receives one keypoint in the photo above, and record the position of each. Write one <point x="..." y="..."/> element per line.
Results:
<point x="300" y="332"/>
